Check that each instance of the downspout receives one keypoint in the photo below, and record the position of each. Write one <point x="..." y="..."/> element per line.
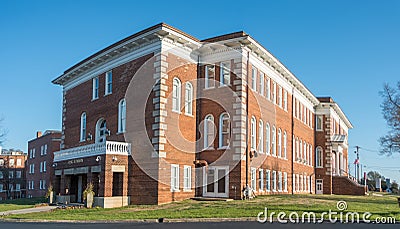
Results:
<point x="293" y="146"/>
<point x="247" y="117"/>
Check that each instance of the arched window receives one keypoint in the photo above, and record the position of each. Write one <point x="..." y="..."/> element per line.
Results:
<point x="253" y="133"/>
<point x="83" y="127"/>
<point x="122" y="116"/>
<point x="318" y="123"/>
<point x="318" y="157"/>
<point x="189" y="99"/>
<point x="268" y="140"/>
<point x="261" y="136"/>
<point x="284" y="145"/>
<point x="224" y="130"/>
<point x="176" y="95"/>
<point x="279" y="143"/>
<point x="273" y="141"/>
<point x="209" y="132"/>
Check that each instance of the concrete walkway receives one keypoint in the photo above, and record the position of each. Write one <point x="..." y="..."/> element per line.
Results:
<point x="28" y="210"/>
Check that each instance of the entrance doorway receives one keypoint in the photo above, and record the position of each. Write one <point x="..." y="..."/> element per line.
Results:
<point x="76" y="189"/>
<point x="319" y="188"/>
<point x="216" y="181"/>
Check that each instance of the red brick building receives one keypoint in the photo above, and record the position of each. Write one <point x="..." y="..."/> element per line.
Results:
<point x="12" y="174"/>
<point x="162" y="116"/>
<point x="39" y="164"/>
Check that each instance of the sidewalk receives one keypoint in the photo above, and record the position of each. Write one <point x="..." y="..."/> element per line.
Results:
<point x="28" y="210"/>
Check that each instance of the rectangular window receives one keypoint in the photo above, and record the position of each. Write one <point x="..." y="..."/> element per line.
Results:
<point x="41" y="167"/>
<point x="294" y="183"/>
<point x="187" y="178"/>
<point x="1" y="187"/>
<point x="318" y="124"/>
<point x="95" y="93"/>
<point x="11" y="174"/>
<point x="174" y="178"/>
<point x="188" y="99"/>
<point x="268" y="180"/>
<point x="225" y="75"/>
<point x="268" y="92"/>
<point x="1" y="162"/>
<point x="274" y="181"/>
<point x="18" y="187"/>
<point x="45" y="149"/>
<point x="44" y="166"/>
<point x="280" y="96"/>
<point x="18" y="174"/>
<point x="34" y="153"/>
<point x="280" y="181"/>
<point x="285" y="181"/>
<point x="261" y="179"/>
<point x="11" y="162"/>
<point x="285" y="102"/>
<point x="41" y="150"/>
<point x="274" y="93"/>
<point x="254" y="79"/>
<point x="253" y="178"/>
<point x="19" y="162"/>
<point x="210" y="76"/>
<point x="262" y="83"/>
<point x="108" y="89"/>
<point x="1" y="175"/>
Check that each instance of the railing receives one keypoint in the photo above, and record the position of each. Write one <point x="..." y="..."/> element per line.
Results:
<point x="108" y="147"/>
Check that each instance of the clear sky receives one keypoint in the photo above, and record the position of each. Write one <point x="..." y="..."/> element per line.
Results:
<point x="344" y="49"/>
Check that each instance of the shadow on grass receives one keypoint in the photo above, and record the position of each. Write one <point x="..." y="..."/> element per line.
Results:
<point x="25" y="201"/>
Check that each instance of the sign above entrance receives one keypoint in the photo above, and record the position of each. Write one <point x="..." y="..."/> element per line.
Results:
<point x="75" y="161"/>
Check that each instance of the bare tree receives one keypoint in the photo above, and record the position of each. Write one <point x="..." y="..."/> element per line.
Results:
<point x="3" y="133"/>
<point x="390" y="143"/>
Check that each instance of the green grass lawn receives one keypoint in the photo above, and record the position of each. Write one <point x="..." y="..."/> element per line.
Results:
<point x="378" y="206"/>
<point x="7" y="205"/>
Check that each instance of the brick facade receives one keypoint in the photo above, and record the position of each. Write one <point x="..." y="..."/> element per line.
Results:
<point x="165" y="158"/>
<point x="12" y="174"/>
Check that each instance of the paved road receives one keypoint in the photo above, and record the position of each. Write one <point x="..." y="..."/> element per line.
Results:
<point x="29" y="210"/>
<point x="229" y="225"/>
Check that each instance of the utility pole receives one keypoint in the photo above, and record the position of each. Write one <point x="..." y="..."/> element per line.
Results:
<point x="357" y="165"/>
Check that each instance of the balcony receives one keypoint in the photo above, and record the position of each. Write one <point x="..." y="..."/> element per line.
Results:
<point x="108" y="147"/>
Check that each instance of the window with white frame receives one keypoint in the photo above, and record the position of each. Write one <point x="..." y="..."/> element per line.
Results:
<point x="19" y="162"/>
<point x="310" y="157"/>
<point x="187" y="178"/>
<point x="262" y="83"/>
<point x="318" y="124"/>
<point x="318" y="157"/>
<point x="1" y="187"/>
<point x="253" y="174"/>
<point x="280" y="96"/>
<point x="225" y="75"/>
<point x="41" y="167"/>
<point x="284" y="145"/>
<point x="253" y="133"/>
<point x="41" y="150"/>
<point x="300" y="150"/>
<point x="254" y="79"/>
<point x="33" y="153"/>
<point x="297" y="149"/>
<point x="95" y="91"/>
<point x="11" y="162"/>
<point x="261" y="136"/>
<point x="210" y="76"/>
<point x="273" y="145"/>
<point x="209" y="132"/>
<point x="44" y="166"/>
<point x="1" y="162"/>
<point x="285" y="181"/>
<point x="274" y="93"/>
<point x="188" y="99"/>
<point x="301" y="183"/>
<point x="294" y="183"/>
<point x="268" y="92"/>
<point x="274" y="181"/>
<point x="280" y="181"/>
<point x="11" y="174"/>
<point x="279" y="143"/>
<point x="298" y="182"/>
<point x="261" y="179"/>
<point x="224" y="130"/>
<point x="18" y="174"/>
<point x="17" y="187"/>
<point x="268" y="140"/>
<point x="305" y="183"/>
<point x="45" y="149"/>
<point x="304" y="114"/>
<point x="108" y="89"/>
<point x="122" y="116"/>
<point x="176" y="95"/>
<point x="285" y="101"/>
<point x="268" y="180"/>
<point x="83" y="127"/>
<point x="305" y="152"/>
<point x="174" y="177"/>
<point x="1" y="175"/>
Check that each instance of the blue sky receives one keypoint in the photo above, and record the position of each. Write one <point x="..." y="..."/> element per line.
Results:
<point x="344" y="49"/>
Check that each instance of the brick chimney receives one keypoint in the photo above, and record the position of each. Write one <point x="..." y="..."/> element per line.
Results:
<point x="38" y="134"/>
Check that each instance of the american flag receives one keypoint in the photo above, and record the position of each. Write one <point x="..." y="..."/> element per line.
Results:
<point x="357" y="162"/>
